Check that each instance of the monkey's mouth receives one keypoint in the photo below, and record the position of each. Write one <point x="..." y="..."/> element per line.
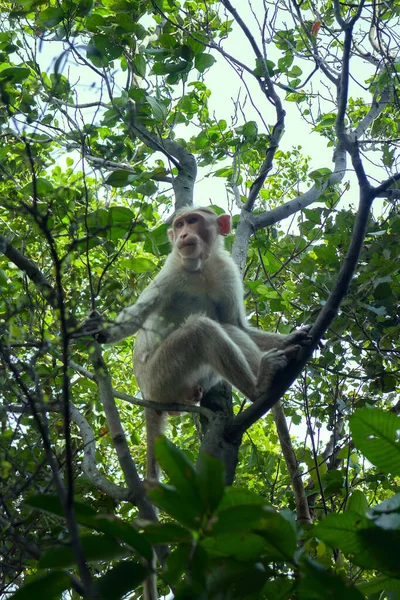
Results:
<point x="188" y="244"/>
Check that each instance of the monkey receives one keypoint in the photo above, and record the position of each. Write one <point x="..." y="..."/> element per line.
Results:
<point x="192" y="324"/>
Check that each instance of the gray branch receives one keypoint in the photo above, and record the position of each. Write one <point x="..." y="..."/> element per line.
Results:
<point x="89" y="465"/>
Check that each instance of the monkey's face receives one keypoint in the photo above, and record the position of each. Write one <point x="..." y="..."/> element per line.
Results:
<point x="193" y="235"/>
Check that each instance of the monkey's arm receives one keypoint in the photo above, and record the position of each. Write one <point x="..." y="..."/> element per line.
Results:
<point x="129" y="320"/>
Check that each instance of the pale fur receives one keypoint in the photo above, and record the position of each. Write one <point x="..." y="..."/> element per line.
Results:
<point x="193" y="333"/>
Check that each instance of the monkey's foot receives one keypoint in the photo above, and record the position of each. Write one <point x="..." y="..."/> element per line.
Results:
<point x="300" y="336"/>
<point x="272" y="361"/>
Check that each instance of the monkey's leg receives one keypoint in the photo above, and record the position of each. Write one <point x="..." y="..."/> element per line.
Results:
<point x="197" y="344"/>
<point x="267" y="341"/>
<point x="271" y="362"/>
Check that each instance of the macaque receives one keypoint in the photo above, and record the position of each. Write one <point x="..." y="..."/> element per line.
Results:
<point x="192" y="325"/>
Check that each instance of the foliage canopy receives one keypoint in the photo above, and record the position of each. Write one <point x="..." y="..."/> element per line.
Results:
<point x="108" y="112"/>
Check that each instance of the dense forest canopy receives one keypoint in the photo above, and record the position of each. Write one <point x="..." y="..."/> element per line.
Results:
<point x="113" y="114"/>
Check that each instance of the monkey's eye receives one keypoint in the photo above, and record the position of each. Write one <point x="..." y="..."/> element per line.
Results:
<point x="179" y="224"/>
<point x="192" y="219"/>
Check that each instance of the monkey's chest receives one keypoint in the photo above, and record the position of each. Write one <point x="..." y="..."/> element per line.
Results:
<point x="185" y="304"/>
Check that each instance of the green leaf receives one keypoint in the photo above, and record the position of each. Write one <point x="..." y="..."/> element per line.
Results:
<point x="203" y="61"/>
<point x="387" y="513"/>
<point x="49" y="17"/>
<point x="51" y="504"/>
<point x="15" y="74"/>
<point x="157" y="241"/>
<point x="357" y="503"/>
<point x="140" y="265"/>
<point x="121" y="215"/>
<point x="379" y="584"/>
<point x="318" y="584"/>
<point x="121" y="579"/>
<point x="170" y="500"/>
<point x="121" y="178"/>
<point x="95" y="548"/>
<point x="382" y="547"/>
<point x="159" y="109"/>
<point x="54" y="583"/>
<point x="376" y="434"/>
<point x="167" y="533"/>
<point x="140" y="65"/>
<point x="87" y="516"/>
<point x="41" y="189"/>
<point x="235" y="496"/>
<point x="211" y="480"/>
<point x="181" y="472"/>
<point x="342" y="531"/>
<point x="241" y="546"/>
<point x="121" y="531"/>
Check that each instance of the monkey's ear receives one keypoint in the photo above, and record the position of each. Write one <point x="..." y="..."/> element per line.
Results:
<point x="224" y="224"/>
<point x="171" y="235"/>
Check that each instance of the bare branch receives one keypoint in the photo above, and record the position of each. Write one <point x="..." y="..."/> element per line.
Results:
<point x="302" y="510"/>
<point x="161" y="406"/>
<point x="89" y="465"/>
<point x="312" y="195"/>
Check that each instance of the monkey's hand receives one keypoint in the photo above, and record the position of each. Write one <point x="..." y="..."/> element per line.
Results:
<point x="300" y="336"/>
<point x="95" y="325"/>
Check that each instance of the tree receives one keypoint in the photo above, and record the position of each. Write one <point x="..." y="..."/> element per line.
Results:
<point x="88" y="175"/>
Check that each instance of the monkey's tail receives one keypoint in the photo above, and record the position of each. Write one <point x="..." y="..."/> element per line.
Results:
<point x="150" y="585"/>
<point x="155" y="425"/>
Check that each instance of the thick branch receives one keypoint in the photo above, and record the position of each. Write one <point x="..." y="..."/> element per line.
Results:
<point x="251" y="414"/>
<point x="183" y="160"/>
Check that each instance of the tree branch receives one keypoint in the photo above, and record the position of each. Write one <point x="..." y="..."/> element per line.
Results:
<point x="302" y="510"/>
<point x="250" y="415"/>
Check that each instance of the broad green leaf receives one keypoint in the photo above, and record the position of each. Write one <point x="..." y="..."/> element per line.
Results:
<point x="163" y="533"/>
<point x="121" y="215"/>
<point x="203" y="61"/>
<point x="340" y="531"/>
<point x="51" y="504"/>
<point x="357" y="503"/>
<point x="121" y="178"/>
<point x="42" y="188"/>
<point x="159" y="109"/>
<point x="52" y="584"/>
<point x="157" y="241"/>
<point x="15" y="74"/>
<point x="140" y="265"/>
<point x="278" y="533"/>
<point x="317" y="583"/>
<point x="180" y="471"/>
<point x="241" y="546"/>
<point x="211" y="480"/>
<point x="170" y="500"/>
<point x="140" y="65"/>
<point x="49" y="17"/>
<point x="95" y="548"/>
<point x="376" y="434"/>
<point x="379" y="584"/>
<point x="121" y="579"/>
<point x="235" y="496"/>
<point x="382" y="547"/>
<point x="121" y="531"/>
